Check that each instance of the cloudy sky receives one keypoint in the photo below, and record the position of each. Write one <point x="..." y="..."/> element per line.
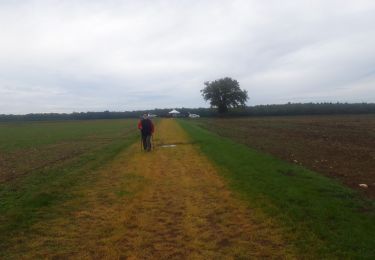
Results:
<point x="94" y="55"/>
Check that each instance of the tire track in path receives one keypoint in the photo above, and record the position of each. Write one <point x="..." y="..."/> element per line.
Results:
<point x="166" y="204"/>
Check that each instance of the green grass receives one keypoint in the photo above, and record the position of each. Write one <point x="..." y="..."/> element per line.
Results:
<point x="23" y="135"/>
<point x="37" y="196"/>
<point x="320" y="217"/>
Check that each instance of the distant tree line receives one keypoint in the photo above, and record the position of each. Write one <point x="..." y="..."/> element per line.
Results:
<point x="260" y="110"/>
<point x="305" y="109"/>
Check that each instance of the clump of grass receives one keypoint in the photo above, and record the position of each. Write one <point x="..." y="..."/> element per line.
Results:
<point x="319" y="215"/>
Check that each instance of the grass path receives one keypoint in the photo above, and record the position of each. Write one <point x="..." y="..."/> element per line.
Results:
<point x="169" y="203"/>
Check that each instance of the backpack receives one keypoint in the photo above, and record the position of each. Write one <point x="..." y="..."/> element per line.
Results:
<point x="146" y="126"/>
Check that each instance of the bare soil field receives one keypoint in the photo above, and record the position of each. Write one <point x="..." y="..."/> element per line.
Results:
<point x="342" y="147"/>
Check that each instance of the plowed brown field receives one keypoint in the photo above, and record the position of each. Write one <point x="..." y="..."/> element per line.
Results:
<point x="166" y="204"/>
<point x="339" y="146"/>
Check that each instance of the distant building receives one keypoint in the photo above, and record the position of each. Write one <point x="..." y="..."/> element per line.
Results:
<point x="194" y="115"/>
<point x="152" y="115"/>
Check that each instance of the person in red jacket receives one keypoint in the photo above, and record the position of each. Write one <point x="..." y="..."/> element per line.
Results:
<point x="146" y="127"/>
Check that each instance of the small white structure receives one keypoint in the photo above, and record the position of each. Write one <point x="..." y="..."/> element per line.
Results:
<point x="194" y="115"/>
<point x="174" y="113"/>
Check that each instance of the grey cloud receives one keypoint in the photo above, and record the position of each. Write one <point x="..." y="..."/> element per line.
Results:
<point x="63" y="56"/>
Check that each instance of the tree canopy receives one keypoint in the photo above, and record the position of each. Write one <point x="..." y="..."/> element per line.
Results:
<point x="224" y="93"/>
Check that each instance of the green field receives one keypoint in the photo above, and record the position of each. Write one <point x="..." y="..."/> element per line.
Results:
<point x="36" y="134"/>
<point x="41" y="162"/>
<point x="27" y="146"/>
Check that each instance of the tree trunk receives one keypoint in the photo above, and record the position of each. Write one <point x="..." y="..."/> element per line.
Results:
<point x="222" y="108"/>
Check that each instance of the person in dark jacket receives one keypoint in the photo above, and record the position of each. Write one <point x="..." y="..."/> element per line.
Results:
<point x="146" y="127"/>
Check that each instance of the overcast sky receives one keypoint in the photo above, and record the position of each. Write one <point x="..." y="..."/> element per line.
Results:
<point x="94" y="55"/>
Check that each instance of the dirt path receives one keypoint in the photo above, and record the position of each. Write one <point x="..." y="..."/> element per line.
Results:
<point x="170" y="203"/>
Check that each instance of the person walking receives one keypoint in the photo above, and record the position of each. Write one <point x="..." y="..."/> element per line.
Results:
<point x="146" y="127"/>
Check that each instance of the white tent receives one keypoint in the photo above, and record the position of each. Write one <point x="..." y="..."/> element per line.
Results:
<point x="174" y="113"/>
